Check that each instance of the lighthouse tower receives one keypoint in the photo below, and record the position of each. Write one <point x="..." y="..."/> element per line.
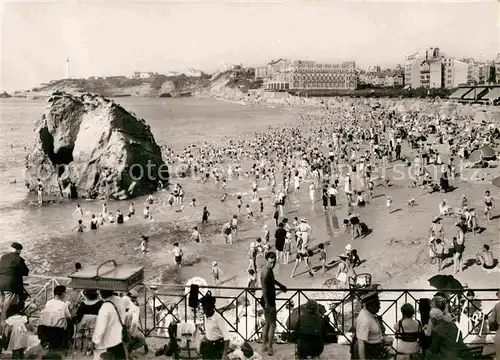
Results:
<point x="67" y="68"/>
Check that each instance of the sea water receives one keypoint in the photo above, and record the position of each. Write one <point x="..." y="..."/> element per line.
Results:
<point x="174" y="123"/>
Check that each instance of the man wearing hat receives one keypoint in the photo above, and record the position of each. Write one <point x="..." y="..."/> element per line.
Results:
<point x="12" y="270"/>
<point x="369" y="339"/>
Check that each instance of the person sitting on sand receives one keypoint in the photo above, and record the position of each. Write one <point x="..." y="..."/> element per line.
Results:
<point x="444" y="208"/>
<point x="485" y="258"/>
<point x="436" y="230"/>
<point x="360" y="201"/>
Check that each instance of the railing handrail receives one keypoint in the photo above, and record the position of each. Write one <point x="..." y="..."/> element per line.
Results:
<point x="340" y="312"/>
<point x="380" y="289"/>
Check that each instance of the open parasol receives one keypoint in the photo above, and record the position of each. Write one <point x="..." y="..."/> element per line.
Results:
<point x="445" y="283"/>
<point x="488" y="152"/>
<point x="196" y="281"/>
<point x="496" y="181"/>
<point x="475" y="156"/>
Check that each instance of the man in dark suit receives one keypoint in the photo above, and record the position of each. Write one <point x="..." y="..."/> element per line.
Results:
<point x="12" y="270"/>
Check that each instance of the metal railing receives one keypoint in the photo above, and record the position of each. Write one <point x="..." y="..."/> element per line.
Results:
<point x="240" y="307"/>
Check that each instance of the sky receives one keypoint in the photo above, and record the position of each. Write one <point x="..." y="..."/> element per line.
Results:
<point x="119" y="37"/>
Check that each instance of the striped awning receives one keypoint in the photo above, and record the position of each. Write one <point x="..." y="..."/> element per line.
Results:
<point x="492" y="95"/>
<point x="474" y="93"/>
<point x="459" y="93"/>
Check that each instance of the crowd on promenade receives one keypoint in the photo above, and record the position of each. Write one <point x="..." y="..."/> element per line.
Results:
<point x="340" y="155"/>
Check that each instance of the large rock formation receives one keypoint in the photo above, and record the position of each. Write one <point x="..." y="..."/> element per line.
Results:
<point x="88" y="146"/>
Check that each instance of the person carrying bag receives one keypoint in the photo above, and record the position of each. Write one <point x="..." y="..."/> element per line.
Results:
<point x="125" y="333"/>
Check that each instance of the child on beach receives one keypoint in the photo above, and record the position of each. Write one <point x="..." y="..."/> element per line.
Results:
<point x="131" y="209"/>
<point x="147" y="213"/>
<point x="16" y="331"/>
<point x="171" y="199"/>
<point x="239" y="203"/>
<point x="94" y="223"/>
<point x="252" y="281"/>
<point x="261" y="205"/>
<point x="193" y="203"/>
<point x="488" y="204"/>
<point x="177" y="251"/>
<point x="78" y="211"/>
<point x="216" y="274"/>
<point x="249" y="212"/>
<point x="195" y="236"/>
<point x="79" y="227"/>
<point x="276" y="215"/>
<point x="205" y="215"/>
<point x="287" y="248"/>
<point x="322" y="256"/>
<point x="224" y="197"/>
<point x="266" y="234"/>
<point x="389" y="203"/>
<point x="144" y="245"/>
<point x="234" y="226"/>
<point x="254" y="189"/>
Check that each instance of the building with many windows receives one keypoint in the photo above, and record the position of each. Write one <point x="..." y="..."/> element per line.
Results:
<point x="297" y="75"/>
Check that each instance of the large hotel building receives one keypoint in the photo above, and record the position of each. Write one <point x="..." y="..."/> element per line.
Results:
<point x="298" y="75"/>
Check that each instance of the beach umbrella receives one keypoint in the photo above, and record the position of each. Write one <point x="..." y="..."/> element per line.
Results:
<point x="488" y="152"/>
<point x="196" y="281"/>
<point x="445" y="283"/>
<point x="496" y="181"/>
<point x="476" y="156"/>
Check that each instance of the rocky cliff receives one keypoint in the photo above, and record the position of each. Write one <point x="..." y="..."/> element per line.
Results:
<point x="221" y="84"/>
<point x="117" y="86"/>
<point x="88" y="146"/>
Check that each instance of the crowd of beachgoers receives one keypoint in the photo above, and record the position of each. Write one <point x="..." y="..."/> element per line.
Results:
<point x="340" y="154"/>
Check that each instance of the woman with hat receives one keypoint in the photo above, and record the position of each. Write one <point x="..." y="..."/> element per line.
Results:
<point x="215" y="345"/>
<point x="436" y="230"/>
